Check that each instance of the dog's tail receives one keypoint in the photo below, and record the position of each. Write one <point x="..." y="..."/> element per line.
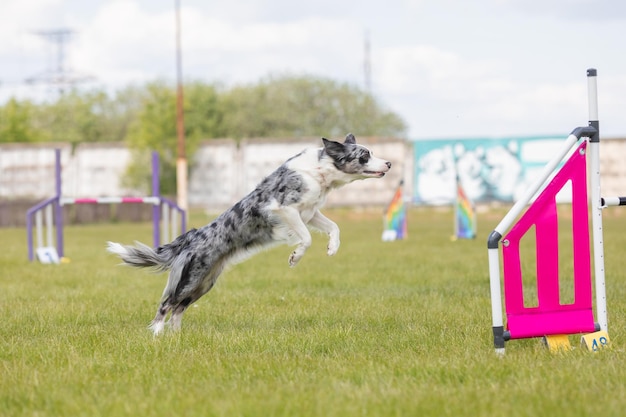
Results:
<point x="161" y="258"/>
<point x="142" y="256"/>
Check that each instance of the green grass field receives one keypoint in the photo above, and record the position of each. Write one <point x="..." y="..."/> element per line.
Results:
<point x="381" y="329"/>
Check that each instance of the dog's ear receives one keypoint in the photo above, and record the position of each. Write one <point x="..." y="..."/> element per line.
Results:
<point x="333" y="149"/>
<point x="350" y="139"/>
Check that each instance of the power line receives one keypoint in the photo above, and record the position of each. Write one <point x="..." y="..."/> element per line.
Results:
<point x="58" y="75"/>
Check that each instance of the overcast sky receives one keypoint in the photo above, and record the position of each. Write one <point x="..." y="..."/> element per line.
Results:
<point x="449" y="68"/>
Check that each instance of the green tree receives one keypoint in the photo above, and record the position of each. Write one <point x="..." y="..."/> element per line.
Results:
<point x="90" y="116"/>
<point x="305" y="106"/>
<point x="124" y="109"/>
<point x="204" y="113"/>
<point x="16" y="122"/>
<point x="155" y="128"/>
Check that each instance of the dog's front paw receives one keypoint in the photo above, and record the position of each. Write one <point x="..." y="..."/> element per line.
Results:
<point x="333" y="247"/>
<point x="294" y="258"/>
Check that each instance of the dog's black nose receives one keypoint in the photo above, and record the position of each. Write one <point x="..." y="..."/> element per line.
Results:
<point x="388" y="164"/>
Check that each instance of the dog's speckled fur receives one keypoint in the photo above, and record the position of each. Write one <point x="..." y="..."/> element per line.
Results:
<point x="278" y="211"/>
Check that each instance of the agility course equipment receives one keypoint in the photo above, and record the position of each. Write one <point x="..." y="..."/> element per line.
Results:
<point x="168" y="219"/>
<point x="465" y="224"/>
<point x="550" y="314"/>
<point x="395" y="218"/>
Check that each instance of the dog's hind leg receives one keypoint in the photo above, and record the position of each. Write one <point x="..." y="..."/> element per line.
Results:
<point x="202" y="286"/>
<point x="177" y="317"/>
<point x="324" y="224"/>
<point x="158" y="323"/>
<point x="177" y="314"/>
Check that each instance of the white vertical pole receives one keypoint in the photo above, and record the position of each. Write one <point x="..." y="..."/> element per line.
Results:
<point x="165" y="219"/>
<point x="38" y="228"/>
<point x="174" y="223"/>
<point x="455" y="200"/>
<point x="592" y="91"/>
<point x="49" y="225"/>
<point x="456" y="212"/>
<point x="496" y="293"/>
<point x="596" y="205"/>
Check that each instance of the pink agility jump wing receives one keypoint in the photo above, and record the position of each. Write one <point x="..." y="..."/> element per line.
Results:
<point x="550" y="316"/>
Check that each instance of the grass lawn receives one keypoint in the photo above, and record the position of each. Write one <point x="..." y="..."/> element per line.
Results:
<point x="381" y="329"/>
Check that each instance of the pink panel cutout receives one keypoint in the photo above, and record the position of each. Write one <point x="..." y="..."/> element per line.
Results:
<point x="550" y="316"/>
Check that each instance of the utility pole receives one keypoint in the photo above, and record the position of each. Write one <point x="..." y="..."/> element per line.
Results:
<point x="58" y="75"/>
<point x="367" y="66"/>
<point x="181" y="158"/>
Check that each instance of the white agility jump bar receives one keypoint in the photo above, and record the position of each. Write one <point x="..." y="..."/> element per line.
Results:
<point x="111" y="200"/>
<point x="612" y="201"/>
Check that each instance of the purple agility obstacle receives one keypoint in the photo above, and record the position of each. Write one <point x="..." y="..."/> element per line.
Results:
<point x="162" y="209"/>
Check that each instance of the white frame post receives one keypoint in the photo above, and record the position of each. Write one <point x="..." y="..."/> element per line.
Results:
<point x="596" y="201"/>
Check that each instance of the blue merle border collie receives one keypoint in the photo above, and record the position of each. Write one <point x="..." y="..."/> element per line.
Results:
<point x="279" y="211"/>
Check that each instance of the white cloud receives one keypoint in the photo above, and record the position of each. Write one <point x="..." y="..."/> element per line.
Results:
<point x="451" y="95"/>
<point x="229" y="52"/>
<point x="134" y="44"/>
<point x="125" y="44"/>
<point x="425" y="69"/>
<point x="16" y="13"/>
<point x="579" y="10"/>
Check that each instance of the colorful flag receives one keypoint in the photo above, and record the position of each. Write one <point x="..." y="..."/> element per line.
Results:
<point x="395" y="217"/>
<point x="465" y="215"/>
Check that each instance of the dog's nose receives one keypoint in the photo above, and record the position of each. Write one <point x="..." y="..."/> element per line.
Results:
<point x="388" y="164"/>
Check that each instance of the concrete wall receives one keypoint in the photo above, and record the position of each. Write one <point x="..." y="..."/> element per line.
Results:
<point x="27" y="171"/>
<point x="222" y="173"/>
<point x="96" y="170"/>
<point x="92" y="170"/>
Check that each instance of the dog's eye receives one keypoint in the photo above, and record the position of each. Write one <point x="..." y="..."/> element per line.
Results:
<point x="364" y="158"/>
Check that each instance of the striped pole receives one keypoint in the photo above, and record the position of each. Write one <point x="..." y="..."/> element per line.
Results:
<point x="111" y="200"/>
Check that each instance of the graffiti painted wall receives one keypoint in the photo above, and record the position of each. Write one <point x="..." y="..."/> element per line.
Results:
<point x="489" y="169"/>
